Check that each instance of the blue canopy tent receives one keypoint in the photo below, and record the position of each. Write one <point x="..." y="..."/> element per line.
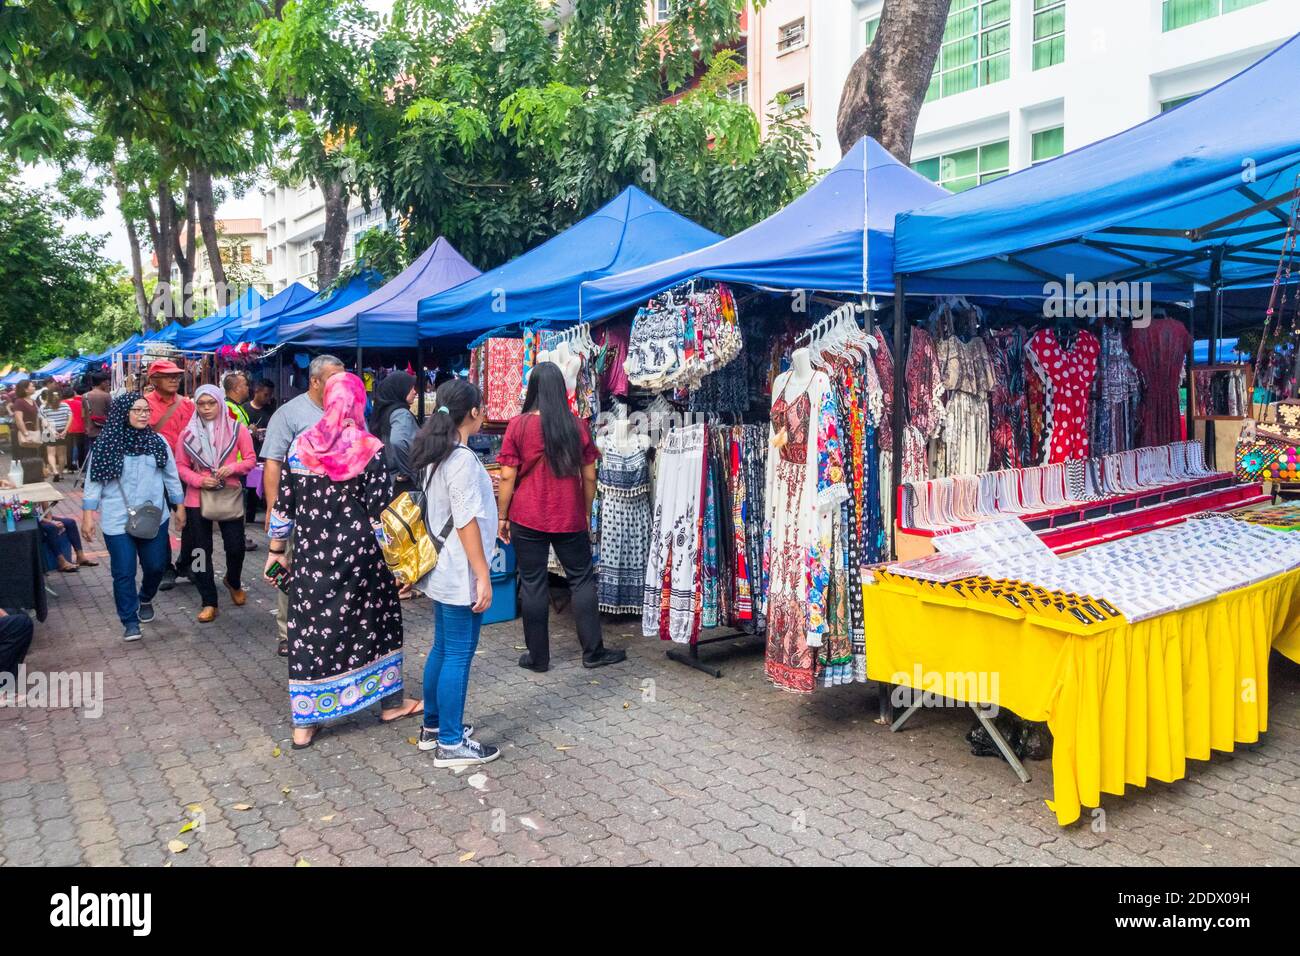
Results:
<point x="14" y="377"/>
<point x="630" y="231"/>
<point x="121" y="348"/>
<point x="266" y="330"/>
<point x="271" y="309"/>
<point x="836" y="237"/>
<point x="205" y="334"/>
<point x="386" y="318"/>
<point x="1198" y="196"/>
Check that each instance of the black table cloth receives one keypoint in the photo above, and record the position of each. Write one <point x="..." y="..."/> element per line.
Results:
<point x="22" y="574"/>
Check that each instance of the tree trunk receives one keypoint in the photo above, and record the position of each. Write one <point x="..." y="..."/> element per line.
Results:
<point x="329" y="248"/>
<point x="886" y="87"/>
<point x="185" y="256"/>
<point x="164" y="243"/>
<point x="147" y="324"/>
<point x="208" y="224"/>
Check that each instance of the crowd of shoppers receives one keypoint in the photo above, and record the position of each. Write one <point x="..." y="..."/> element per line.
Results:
<point x="160" y="463"/>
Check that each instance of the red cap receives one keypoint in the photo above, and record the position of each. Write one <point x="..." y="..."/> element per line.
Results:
<point x="165" y="367"/>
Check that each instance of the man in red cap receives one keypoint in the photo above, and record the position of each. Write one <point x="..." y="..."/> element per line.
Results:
<point x="170" y="413"/>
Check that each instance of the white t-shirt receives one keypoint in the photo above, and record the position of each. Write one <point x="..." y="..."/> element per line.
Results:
<point x="462" y="489"/>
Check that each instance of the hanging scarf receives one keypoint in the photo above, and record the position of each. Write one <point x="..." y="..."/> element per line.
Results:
<point x="390" y="394"/>
<point x="209" y="443"/>
<point x="118" y="439"/>
<point x="338" y="446"/>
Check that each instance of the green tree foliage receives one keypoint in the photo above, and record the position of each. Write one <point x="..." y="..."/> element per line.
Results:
<point x="380" y="255"/>
<point x="56" y="292"/>
<point x="501" y="129"/>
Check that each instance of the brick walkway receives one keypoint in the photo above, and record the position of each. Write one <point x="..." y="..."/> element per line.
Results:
<point x="648" y="762"/>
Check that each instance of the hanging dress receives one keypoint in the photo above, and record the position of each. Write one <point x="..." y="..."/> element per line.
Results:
<point x="968" y="379"/>
<point x="1160" y="353"/>
<point x="623" y="481"/>
<point x="805" y="485"/>
<point x="1066" y="375"/>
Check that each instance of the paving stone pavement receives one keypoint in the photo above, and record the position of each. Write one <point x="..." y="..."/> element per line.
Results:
<point x="645" y="763"/>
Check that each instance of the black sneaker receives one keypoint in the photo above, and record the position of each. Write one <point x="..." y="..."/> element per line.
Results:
<point x="146" y="612"/>
<point x="467" y="753"/>
<point x="132" y="633"/>
<point x="168" y="580"/>
<point x="606" y="656"/>
<point x="429" y="736"/>
<point x="526" y="662"/>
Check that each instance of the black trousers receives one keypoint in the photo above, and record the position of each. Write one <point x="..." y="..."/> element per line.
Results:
<point x="186" y="554"/>
<point x="232" y="539"/>
<point x="532" y="552"/>
<point x="15" y="638"/>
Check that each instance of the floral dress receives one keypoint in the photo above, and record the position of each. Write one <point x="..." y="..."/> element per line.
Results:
<point x="345" y="619"/>
<point x="805" y="486"/>
<point x="1066" y="375"/>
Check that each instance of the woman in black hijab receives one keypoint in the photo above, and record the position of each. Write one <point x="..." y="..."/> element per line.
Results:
<point x="392" y="422"/>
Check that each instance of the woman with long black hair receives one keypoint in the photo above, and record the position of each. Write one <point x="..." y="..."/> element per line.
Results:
<point x="461" y="511"/>
<point x="548" y="482"/>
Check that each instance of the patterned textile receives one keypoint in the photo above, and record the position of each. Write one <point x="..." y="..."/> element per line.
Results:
<point x="805" y="488"/>
<point x="672" y="574"/>
<point x="1115" y="426"/>
<point x="968" y="379"/>
<point x="1160" y="354"/>
<point x="1009" y="432"/>
<point x="503" y="379"/>
<point x="345" y="620"/>
<point x="1067" y="375"/>
<point x="924" y="378"/>
<point x="623" y="482"/>
<point x="338" y="446"/>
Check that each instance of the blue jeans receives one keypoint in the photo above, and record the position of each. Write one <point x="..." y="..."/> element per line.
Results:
<point x="446" y="672"/>
<point x="62" y="537"/>
<point x="123" y="551"/>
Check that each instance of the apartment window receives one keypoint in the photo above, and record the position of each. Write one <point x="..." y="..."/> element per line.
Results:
<point x="270" y="254"/>
<point x="792" y="36"/>
<point x="795" y="99"/>
<point x="1049" y="33"/>
<point x="1182" y="13"/>
<point x="976" y="48"/>
<point x="966" y="169"/>
<point x="1173" y="104"/>
<point x="738" y="92"/>
<point x="873" y="27"/>
<point x="1048" y="143"/>
<point x="246" y="255"/>
<point x="662" y="12"/>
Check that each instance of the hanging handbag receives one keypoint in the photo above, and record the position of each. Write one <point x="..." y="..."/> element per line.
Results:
<point x="142" y="521"/>
<point x="222" y="504"/>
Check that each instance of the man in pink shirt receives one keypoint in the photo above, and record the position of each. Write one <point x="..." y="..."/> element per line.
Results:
<point x="170" y="413"/>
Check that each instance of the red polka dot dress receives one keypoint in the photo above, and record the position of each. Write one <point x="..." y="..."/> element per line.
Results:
<point x="1067" y="376"/>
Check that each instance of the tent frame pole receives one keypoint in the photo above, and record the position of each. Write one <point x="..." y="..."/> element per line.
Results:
<point x="419" y="384"/>
<point x="884" y="691"/>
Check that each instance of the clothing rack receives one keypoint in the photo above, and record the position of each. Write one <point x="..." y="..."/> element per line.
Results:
<point x="691" y="658"/>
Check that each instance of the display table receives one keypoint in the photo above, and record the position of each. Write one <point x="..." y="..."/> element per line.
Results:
<point x="22" y="573"/>
<point x="1126" y="705"/>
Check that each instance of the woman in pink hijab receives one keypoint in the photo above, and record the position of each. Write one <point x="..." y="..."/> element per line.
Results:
<point x="214" y="454"/>
<point x="345" y="619"/>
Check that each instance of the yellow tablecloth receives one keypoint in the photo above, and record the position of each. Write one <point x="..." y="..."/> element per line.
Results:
<point x="1126" y="705"/>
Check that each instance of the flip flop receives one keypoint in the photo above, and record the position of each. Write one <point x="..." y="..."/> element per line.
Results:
<point x="315" y="735"/>
<point x="87" y="563"/>
<point x="417" y="709"/>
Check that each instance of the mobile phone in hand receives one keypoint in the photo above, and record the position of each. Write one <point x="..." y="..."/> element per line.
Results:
<point x="278" y="574"/>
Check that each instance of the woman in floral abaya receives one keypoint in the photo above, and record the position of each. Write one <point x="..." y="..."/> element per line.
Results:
<point x="345" y="620"/>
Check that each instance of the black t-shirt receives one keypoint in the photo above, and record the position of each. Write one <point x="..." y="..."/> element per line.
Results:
<point x="257" y="419"/>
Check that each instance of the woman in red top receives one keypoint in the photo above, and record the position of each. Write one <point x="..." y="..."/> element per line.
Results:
<point x="548" y="482"/>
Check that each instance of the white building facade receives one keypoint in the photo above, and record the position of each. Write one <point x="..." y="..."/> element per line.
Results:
<point x="1019" y="81"/>
<point x="295" y="220"/>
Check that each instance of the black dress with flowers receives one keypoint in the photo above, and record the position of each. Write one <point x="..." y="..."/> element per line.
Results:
<point x="345" y="619"/>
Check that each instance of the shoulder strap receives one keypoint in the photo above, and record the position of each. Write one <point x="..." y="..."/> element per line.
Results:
<point x="168" y="414"/>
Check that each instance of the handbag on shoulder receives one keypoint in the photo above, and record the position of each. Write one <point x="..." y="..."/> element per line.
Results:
<point x="222" y="504"/>
<point x="142" y="521"/>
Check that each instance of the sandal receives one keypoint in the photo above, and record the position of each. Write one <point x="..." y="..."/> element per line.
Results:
<point x="282" y="649"/>
<point x="415" y="707"/>
<point x="315" y="732"/>
<point x="87" y="563"/>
